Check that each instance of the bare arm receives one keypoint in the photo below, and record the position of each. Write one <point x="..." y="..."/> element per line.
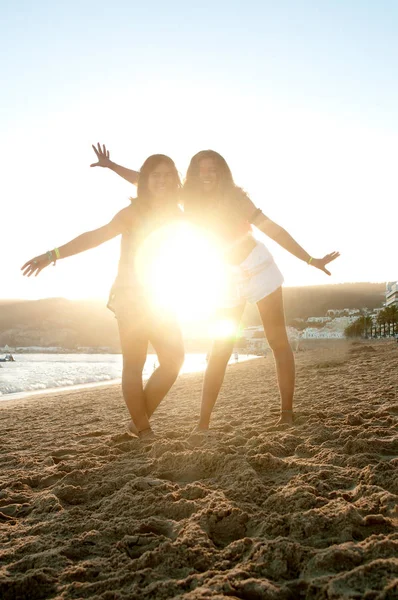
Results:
<point x="282" y="237"/>
<point x="105" y="162"/>
<point x="85" y="241"/>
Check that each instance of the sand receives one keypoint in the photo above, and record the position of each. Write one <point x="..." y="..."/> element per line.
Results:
<point x="254" y="511"/>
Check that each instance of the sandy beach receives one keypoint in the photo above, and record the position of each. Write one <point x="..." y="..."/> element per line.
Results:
<point x="253" y="511"/>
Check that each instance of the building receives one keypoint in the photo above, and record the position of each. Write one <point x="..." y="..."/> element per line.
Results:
<point x="324" y="334"/>
<point x="292" y="333"/>
<point x="318" y="319"/>
<point x="340" y="323"/>
<point x="392" y="293"/>
<point x="257" y="346"/>
<point x="332" y="312"/>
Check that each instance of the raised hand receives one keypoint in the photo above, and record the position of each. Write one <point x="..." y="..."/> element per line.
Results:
<point x="35" y="265"/>
<point x="320" y="263"/>
<point x="102" y="155"/>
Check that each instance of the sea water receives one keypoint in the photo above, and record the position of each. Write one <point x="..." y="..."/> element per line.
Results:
<point x="32" y="373"/>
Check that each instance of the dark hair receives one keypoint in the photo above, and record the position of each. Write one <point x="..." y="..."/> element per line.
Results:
<point x="225" y="179"/>
<point x="149" y="165"/>
<point x="227" y="190"/>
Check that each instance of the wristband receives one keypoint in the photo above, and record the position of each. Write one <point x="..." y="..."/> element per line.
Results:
<point x="50" y="256"/>
<point x="310" y="260"/>
<point x="57" y="253"/>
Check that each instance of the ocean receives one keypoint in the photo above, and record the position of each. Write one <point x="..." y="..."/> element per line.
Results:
<point x="33" y="373"/>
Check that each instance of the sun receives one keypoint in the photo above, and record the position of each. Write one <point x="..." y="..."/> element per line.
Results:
<point x="183" y="269"/>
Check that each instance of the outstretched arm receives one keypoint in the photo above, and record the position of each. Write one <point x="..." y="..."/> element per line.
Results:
<point x="283" y="238"/>
<point x="105" y="162"/>
<point x="85" y="241"/>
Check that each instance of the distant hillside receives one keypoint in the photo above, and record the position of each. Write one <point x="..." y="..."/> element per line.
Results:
<point x="57" y="322"/>
<point x="70" y="324"/>
<point x="314" y="301"/>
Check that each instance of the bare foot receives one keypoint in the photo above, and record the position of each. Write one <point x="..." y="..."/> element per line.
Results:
<point x="147" y="435"/>
<point x="286" y="417"/>
<point x="198" y="429"/>
<point x="199" y="437"/>
<point x="199" y="433"/>
<point x="131" y="428"/>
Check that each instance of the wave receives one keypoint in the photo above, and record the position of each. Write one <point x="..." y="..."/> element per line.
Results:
<point x="16" y="388"/>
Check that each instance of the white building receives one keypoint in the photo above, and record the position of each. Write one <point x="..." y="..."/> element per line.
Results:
<point x="292" y="333"/>
<point x="324" y="334"/>
<point x="318" y="319"/>
<point x="391" y="293"/>
<point x="257" y="345"/>
<point x="332" y="312"/>
<point x="340" y="323"/>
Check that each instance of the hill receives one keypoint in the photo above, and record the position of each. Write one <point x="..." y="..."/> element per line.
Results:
<point x="57" y="322"/>
<point x="72" y="324"/>
<point x="314" y="301"/>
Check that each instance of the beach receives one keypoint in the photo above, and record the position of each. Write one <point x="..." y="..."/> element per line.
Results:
<point x="253" y="511"/>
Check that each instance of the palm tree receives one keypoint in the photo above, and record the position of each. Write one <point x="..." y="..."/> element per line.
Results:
<point x="350" y="331"/>
<point x="365" y="324"/>
<point x="391" y="317"/>
<point x="361" y="326"/>
<point x="382" y="321"/>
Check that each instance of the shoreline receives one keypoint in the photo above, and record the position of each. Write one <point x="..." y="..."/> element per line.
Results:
<point x="17" y="397"/>
<point x="305" y="345"/>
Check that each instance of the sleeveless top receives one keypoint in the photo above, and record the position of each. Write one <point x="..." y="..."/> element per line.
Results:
<point x="141" y="221"/>
<point x="220" y="216"/>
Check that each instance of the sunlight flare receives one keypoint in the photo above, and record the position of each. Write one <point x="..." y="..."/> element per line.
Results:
<point x="223" y="328"/>
<point x="183" y="270"/>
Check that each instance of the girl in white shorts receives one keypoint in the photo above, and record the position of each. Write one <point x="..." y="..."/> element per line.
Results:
<point x="212" y="199"/>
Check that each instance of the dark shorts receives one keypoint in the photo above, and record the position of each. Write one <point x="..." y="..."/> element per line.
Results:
<point x="128" y="303"/>
<point x="133" y="310"/>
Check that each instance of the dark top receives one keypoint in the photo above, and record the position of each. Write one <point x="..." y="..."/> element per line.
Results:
<point x="222" y="216"/>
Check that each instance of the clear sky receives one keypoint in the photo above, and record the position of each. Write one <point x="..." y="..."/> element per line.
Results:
<point x="301" y="97"/>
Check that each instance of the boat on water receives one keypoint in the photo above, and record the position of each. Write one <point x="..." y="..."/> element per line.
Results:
<point x="8" y="358"/>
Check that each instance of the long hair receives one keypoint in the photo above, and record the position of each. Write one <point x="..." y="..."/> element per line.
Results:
<point x="193" y="196"/>
<point x="150" y="164"/>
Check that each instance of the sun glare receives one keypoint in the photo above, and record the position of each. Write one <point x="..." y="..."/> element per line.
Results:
<point x="223" y="328"/>
<point x="184" y="271"/>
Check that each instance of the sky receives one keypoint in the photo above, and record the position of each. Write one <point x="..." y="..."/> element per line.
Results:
<point x="300" y="97"/>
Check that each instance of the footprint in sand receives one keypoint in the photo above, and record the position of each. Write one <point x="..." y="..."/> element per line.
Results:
<point x="63" y="455"/>
<point x="90" y="434"/>
<point x="64" y="452"/>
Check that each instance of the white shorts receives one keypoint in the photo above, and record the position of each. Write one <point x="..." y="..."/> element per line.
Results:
<point x="254" y="279"/>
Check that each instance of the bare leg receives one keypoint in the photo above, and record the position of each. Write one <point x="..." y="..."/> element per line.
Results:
<point x="273" y="318"/>
<point x="134" y="342"/>
<point x="216" y="367"/>
<point x="168" y="344"/>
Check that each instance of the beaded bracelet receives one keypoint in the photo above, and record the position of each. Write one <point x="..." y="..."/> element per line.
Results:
<point x="53" y="258"/>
